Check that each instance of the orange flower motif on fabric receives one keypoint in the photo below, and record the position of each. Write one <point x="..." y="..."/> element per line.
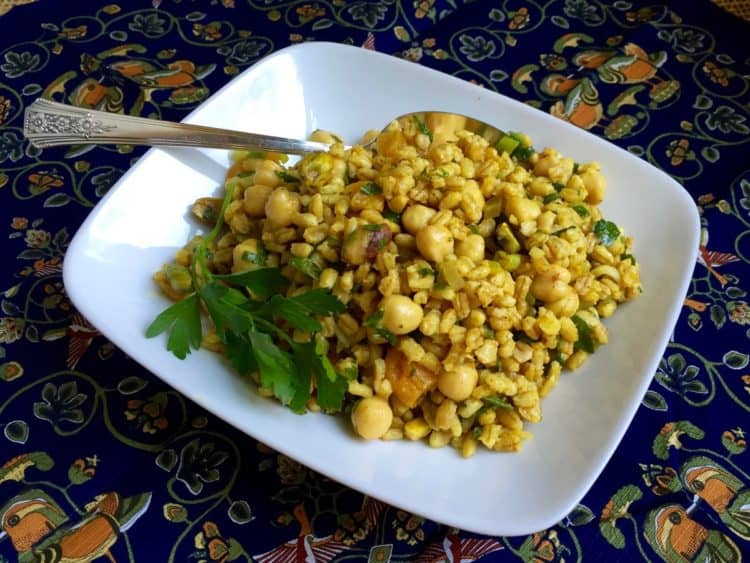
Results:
<point x="19" y="223"/>
<point x="422" y="8"/>
<point x="310" y="11"/>
<point x="149" y="414"/>
<point x="519" y="19"/>
<point x="679" y="151"/>
<point x="716" y="74"/>
<point x="40" y="182"/>
<point x="208" y="32"/>
<point x="82" y="470"/>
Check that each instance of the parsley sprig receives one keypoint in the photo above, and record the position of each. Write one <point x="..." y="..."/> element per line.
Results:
<point x="246" y="308"/>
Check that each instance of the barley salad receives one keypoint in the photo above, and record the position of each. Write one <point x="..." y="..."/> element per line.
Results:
<point x="432" y="285"/>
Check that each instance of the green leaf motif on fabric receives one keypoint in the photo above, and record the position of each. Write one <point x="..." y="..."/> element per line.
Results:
<point x="476" y="48"/>
<point x="17" y="431"/>
<point x="718" y="315"/>
<point x="702" y="102"/>
<point x="18" y="64"/>
<point x="560" y="21"/>
<point x="131" y="385"/>
<point x="199" y="464"/>
<point x="711" y="154"/>
<point x="239" y="512"/>
<point x="655" y="401"/>
<point x="727" y="120"/>
<point x="736" y="360"/>
<point x="676" y="376"/>
<point x="579" y="516"/>
<point x="57" y="200"/>
<point x="174" y="512"/>
<point x="166" y="459"/>
<point x="60" y="404"/>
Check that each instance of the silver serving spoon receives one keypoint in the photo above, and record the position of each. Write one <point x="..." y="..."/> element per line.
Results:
<point x="49" y="124"/>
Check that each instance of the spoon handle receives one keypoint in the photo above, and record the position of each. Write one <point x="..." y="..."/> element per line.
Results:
<point x="48" y="124"/>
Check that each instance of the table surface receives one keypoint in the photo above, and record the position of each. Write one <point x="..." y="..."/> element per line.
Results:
<point x="87" y="431"/>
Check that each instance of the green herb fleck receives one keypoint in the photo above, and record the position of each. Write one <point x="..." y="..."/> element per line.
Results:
<point x="581" y="209"/>
<point x="523" y="153"/>
<point x="627" y="256"/>
<point x="497" y="402"/>
<point x="558" y="186"/>
<point x="476" y="432"/>
<point x="551" y="197"/>
<point x="373" y="322"/>
<point x="307" y="266"/>
<point x="424" y="272"/>
<point x="606" y="231"/>
<point x="442" y="173"/>
<point x="286" y="177"/>
<point x="474" y="229"/>
<point x="575" y="167"/>
<point x="258" y="258"/>
<point x="371" y="188"/>
<point x="585" y="340"/>
<point x="523" y="337"/>
<point x="372" y="227"/>
<point x="392" y="216"/>
<point x="422" y="126"/>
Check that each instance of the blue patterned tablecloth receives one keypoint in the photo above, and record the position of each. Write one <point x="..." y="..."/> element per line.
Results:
<point x="99" y="459"/>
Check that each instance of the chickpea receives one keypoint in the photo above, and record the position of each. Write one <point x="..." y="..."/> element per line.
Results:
<point x="459" y="383"/>
<point x="595" y="184"/>
<point x="256" y="197"/>
<point x="551" y="284"/>
<point x="281" y="207"/>
<point x="434" y="242"/>
<point x="415" y="217"/>
<point x="400" y="314"/>
<point x="524" y="209"/>
<point x="472" y="247"/>
<point x="265" y="174"/>
<point x="372" y="417"/>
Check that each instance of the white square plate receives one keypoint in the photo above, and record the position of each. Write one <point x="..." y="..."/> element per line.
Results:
<point x="144" y="219"/>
